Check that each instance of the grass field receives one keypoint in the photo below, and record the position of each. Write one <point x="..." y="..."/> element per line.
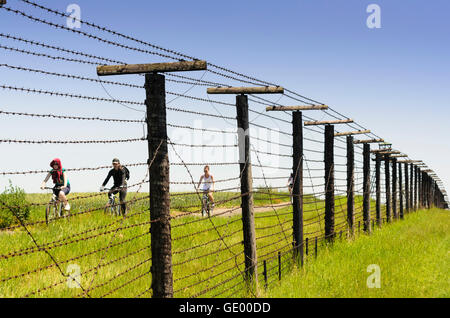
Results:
<point x="113" y="253"/>
<point x="413" y="257"/>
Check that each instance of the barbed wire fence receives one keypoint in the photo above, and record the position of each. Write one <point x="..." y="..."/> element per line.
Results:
<point x="257" y="230"/>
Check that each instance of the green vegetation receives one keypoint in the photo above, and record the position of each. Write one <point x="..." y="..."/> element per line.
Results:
<point x="113" y="253"/>
<point x="12" y="198"/>
<point x="412" y="256"/>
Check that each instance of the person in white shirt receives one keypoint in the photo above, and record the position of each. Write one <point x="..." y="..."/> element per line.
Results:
<point x="208" y="184"/>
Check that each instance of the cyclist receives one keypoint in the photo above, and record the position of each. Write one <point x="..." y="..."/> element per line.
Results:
<point x="62" y="184"/>
<point x="120" y="175"/>
<point x="208" y="185"/>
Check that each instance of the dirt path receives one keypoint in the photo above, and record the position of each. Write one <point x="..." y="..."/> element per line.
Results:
<point x="232" y="211"/>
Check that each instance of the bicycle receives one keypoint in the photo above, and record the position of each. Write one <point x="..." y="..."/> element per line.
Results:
<point x="54" y="208"/>
<point x="112" y="207"/>
<point x="206" y="205"/>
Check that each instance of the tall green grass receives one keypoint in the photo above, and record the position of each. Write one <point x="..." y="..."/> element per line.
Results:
<point x="113" y="253"/>
<point x="412" y="256"/>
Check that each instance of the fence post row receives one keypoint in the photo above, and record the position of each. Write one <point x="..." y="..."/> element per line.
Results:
<point x="366" y="188"/>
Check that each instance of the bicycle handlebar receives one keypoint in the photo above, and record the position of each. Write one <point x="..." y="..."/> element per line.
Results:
<point x="108" y="189"/>
<point x="55" y="188"/>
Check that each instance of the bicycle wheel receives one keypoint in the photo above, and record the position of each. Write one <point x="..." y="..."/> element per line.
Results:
<point x="203" y="207"/>
<point x="117" y="209"/>
<point x="59" y="210"/>
<point x="50" y="212"/>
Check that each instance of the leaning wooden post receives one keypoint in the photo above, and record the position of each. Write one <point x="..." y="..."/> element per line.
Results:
<point x="297" y="191"/>
<point x="378" y="188"/>
<point x="248" y="219"/>
<point x="329" y="183"/>
<point x="400" y="187"/>
<point x="406" y="189"/>
<point x="160" y="229"/>
<point x="388" y="188"/>
<point x="366" y="188"/>
<point x="394" y="188"/>
<point x="350" y="183"/>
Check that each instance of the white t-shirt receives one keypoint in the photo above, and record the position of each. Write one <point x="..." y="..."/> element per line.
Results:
<point x="207" y="182"/>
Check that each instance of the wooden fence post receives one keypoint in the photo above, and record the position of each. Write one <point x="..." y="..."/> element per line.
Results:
<point x="315" y="247"/>
<point x="297" y="191"/>
<point x="279" y="265"/>
<point x="265" y="274"/>
<point x="161" y="241"/>
<point x="400" y="187"/>
<point x="406" y="189"/>
<point x="160" y="229"/>
<point x="426" y="191"/>
<point x="248" y="220"/>
<point x="411" y="191"/>
<point x="419" y="188"/>
<point x="388" y="188"/>
<point x="350" y="184"/>
<point x="394" y="188"/>
<point x="416" y="182"/>
<point x="329" y="183"/>
<point x="430" y="194"/>
<point x="366" y="188"/>
<point x="378" y="188"/>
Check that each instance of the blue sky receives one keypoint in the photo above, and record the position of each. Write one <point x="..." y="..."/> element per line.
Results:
<point x="393" y="80"/>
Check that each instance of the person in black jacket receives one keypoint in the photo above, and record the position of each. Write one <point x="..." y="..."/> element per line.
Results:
<point x="119" y="174"/>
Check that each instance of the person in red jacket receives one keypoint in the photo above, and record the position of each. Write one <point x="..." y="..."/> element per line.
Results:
<point x="62" y="184"/>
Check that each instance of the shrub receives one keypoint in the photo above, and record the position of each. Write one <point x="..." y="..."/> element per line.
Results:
<point x="14" y="198"/>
